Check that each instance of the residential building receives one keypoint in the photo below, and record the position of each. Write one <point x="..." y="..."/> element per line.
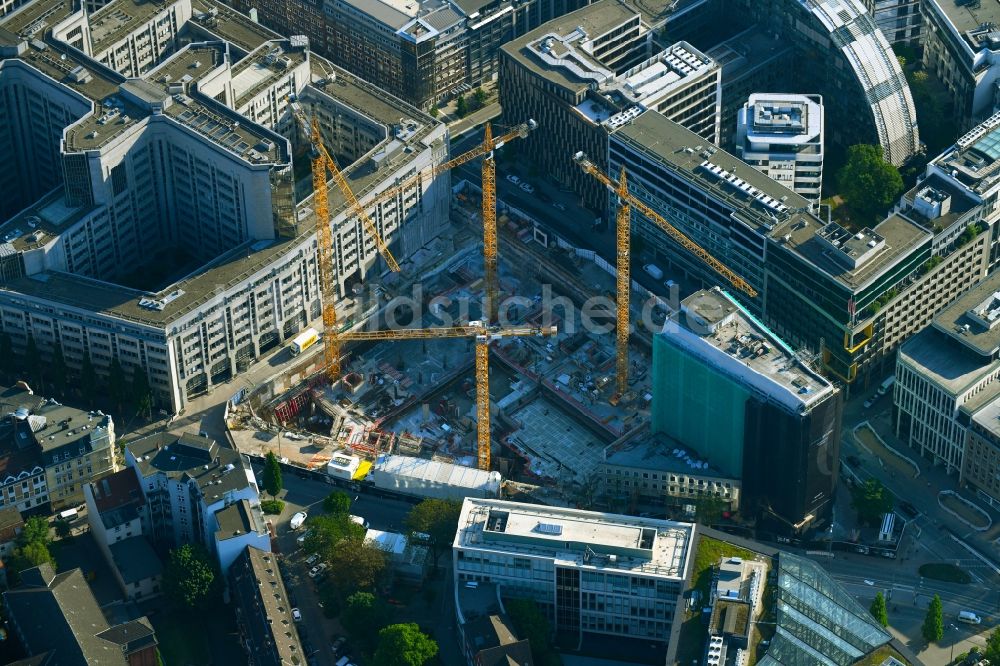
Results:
<point x="981" y="457"/>
<point x="23" y="483"/>
<point x="946" y="379"/>
<point x="961" y="49"/>
<point x="73" y="446"/>
<point x="586" y="73"/>
<point x="195" y="117"/>
<point x="849" y="297"/>
<point x="593" y="574"/>
<point x="56" y="617"/>
<point x="198" y="492"/>
<point x="485" y="632"/>
<point x="11" y="524"/>
<point x="648" y="470"/>
<point x="118" y="518"/>
<point x="263" y="611"/>
<point x="734" y="392"/>
<point x="782" y="136"/>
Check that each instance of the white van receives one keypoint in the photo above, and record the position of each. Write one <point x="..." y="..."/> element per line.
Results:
<point x="969" y="617"/>
<point x="360" y="521"/>
<point x="69" y="515"/>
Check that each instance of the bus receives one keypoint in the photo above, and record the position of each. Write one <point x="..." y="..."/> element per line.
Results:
<point x="304" y="341"/>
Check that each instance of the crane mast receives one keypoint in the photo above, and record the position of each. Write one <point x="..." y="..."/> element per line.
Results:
<point x="626" y="202"/>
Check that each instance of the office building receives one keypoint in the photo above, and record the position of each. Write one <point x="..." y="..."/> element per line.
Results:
<point x="198" y="492"/>
<point x="72" y="446"/>
<point x="263" y="612"/>
<point x="165" y="229"/>
<point x="946" y="377"/>
<point x="652" y="471"/>
<point x="56" y="619"/>
<point x="960" y="46"/>
<point x="735" y="393"/>
<point x="751" y="61"/>
<point x="782" y="136"/>
<point x="981" y="457"/>
<point x="586" y="73"/>
<point x="593" y="574"/>
<point x="849" y="297"/>
<point x="899" y="20"/>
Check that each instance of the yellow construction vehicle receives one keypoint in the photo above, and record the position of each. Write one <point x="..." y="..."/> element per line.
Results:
<point x="626" y="201"/>
<point x="484" y="335"/>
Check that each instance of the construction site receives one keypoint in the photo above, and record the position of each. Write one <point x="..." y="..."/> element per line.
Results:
<point x="507" y="350"/>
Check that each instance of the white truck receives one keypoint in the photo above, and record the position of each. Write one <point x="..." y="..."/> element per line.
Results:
<point x="654" y="271"/>
<point x="886" y="386"/>
<point x="304" y="341"/>
<point x="432" y="478"/>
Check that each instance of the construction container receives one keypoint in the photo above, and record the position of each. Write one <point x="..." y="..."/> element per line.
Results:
<point x="432" y="478"/>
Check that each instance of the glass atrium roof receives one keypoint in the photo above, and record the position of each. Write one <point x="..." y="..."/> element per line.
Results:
<point x="989" y="145"/>
<point x="818" y="621"/>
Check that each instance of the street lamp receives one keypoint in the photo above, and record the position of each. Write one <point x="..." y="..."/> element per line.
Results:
<point x="951" y="660"/>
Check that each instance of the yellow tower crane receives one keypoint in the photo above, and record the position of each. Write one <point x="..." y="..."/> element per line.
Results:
<point x="489" y="209"/>
<point x="484" y="335"/>
<point x="320" y="162"/>
<point x="626" y="201"/>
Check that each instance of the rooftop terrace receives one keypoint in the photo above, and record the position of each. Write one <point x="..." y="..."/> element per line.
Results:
<point x="974" y="318"/>
<point x="119" y="18"/>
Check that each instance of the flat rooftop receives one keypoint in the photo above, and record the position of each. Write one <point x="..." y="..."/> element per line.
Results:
<point x="743" y="54"/>
<point x="784" y="119"/>
<point x="581" y="538"/>
<point x="119" y="18"/>
<point x="40" y="223"/>
<point x="237" y="520"/>
<point x="974" y="318"/>
<point x="944" y="361"/>
<point x="712" y="168"/>
<point x="968" y="15"/>
<point x="268" y="63"/>
<point x="988" y="415"/>
<point x="594" y="20"/>
<point x="900" y="236"/>
<point x="230" y="25"/>
<point x="659" y="453"/>
<point x="974" y="160"/>
<point x="716" y="328"/>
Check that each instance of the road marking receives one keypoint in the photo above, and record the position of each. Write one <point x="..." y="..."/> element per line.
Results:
<point x="976" y="554"/>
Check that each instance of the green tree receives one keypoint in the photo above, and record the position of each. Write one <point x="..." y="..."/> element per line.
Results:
<point x="142" y="392"/>
<point x="869" y="183"/>
<point x="328" y="531"/>
<point x="62" y="527"/>
<point x="88" y="380"/>
<point x="337" y="502"/>
<point x="709" y="509"/>
<point x="878" y="609"/>
<point x="480" y="97"/>
<point x="355" y="565"/>
<point x="404" y="645"/>
<point x="461" y="106"/>
<point x="438" y="519"/>
<point x="272" y="475"/>
<point x="35" y="530"/>
<point x="6" y="353"/>
<point x="871" y="500"/>
<point x="363" y="617"/>
<point x="59" y="369"/>
<point x="190" y="577"/>
<point x="435" y="111"/>
<point x="30" y="555"/>
<point x="531" y="623"/>
<point x="933" y="629"/>
<point x="117" y="389"/>
<point x="991" y="650"/>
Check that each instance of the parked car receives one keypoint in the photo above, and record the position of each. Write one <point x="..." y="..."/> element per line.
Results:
<point x="317" y="570"/>
<point x="871" y="401"/>
<point x="312" y="559"/>
<point x="559" y="205"/>
<point x="511" y="178"/>
<point x="302" y="537"/>
<point x="296" y="615"/>
<point x="527" y="187"/>
<point x="298" y="520"/>
<point x="338" y="644"/>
